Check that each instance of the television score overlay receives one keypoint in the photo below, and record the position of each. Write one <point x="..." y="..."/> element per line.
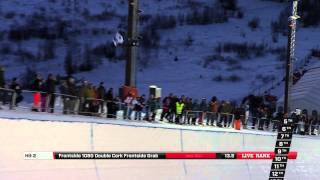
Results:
<point x="153" y="155"/>
<point x="282" y="147"/>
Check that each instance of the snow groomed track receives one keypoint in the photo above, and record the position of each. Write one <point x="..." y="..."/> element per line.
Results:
<point x="20" y="132"/>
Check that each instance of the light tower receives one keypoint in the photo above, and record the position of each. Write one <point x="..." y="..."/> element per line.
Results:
<point x="132" y="48"/>
<point x="292" y="24"/>
<point x="285" y="129"/>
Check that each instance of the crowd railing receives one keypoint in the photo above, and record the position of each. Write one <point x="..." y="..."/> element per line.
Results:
<point x="252" y="122"/>
<point x="61" y="103"/>
<point x="75" y="105"/>
<point x="8" y="96"/>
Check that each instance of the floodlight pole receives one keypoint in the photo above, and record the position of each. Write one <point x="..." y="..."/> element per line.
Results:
<point x="132" y="44"/>
<point x="290" y="56"/>
<point x="285" y="129"/>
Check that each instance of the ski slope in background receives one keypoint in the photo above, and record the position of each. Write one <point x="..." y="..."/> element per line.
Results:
<point x="183" y="77"/>
<point x="20" y="132"/>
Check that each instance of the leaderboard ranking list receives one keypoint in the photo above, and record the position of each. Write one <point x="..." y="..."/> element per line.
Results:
<point x="282" y="150"/>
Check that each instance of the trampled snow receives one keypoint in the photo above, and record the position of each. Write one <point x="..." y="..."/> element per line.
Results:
<point x="21" y="131"/>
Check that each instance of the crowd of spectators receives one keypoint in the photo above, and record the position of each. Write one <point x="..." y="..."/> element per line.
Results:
<point x="85" y="98"/>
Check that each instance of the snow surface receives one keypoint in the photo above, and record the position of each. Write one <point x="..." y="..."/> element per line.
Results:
<point x="21" y="131"/>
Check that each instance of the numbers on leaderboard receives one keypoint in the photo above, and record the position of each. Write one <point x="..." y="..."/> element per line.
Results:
<point x="281" y="159"/>
<point x="286" y="128"/>
<point x="284" y="136"/>
<point x="275" y="174"/>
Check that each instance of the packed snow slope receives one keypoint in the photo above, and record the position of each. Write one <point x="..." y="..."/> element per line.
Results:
<point x="43" y="132"/>
<point x="93" y="23"/>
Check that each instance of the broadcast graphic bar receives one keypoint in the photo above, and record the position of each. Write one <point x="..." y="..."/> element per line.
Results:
<point x="153" y="155"/>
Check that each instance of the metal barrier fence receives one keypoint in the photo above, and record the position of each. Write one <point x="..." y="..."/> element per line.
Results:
<point x="59" y="103"/>
<point x="68" y="104"/>
<point x="210" y="117"/>
<point x="8" y="96"/>
<point x="248" y="121"/>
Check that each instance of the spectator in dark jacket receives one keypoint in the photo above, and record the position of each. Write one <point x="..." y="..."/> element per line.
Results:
<point x="17" y="89"/>
<point x="263" y="116"/>
<point x="95" y="102"/>
<point x="172" y="106"/>
<point x="73" y="95"/>
<point x="84" y="93"/>
<point x="36" y="86"/>
<point x="213" y="115"/>
<point x="68" y="90"/>
<point x="51" y="89"/>
<point x="188" y="110"/>
<point x="101" y="92"/>
<point x="138" y="107"/>
<point x="111" y="105"/>
<point x="203" y="109"/>
<point x="43" y="90"/>
<point x="109" y="95"/>
<point x="296" y="117"/>
<point x="239" y="114"/>
<point x="226" y="110"/>
<point x="314" y="121"/>
<point x="306" y="122"/>
<point x="151" y="108"/>
<point x="2" y="79"/>
<point x="195" y="112"/>
<point x="128" y="101"/>
<point x="65" y="99"/>
<point x="165" y="108"/>
<point x="2" y="85"/>
<point x="277" y="118"/>
<point x="254" y="104"/>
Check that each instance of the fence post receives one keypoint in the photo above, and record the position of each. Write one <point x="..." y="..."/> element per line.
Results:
<point x="13" y="100"/>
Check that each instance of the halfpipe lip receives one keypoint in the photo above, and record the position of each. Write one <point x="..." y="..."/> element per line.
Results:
<point x="46" y="117"/>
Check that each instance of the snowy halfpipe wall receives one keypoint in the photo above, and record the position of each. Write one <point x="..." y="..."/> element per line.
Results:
<point x="18" y="136"/>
